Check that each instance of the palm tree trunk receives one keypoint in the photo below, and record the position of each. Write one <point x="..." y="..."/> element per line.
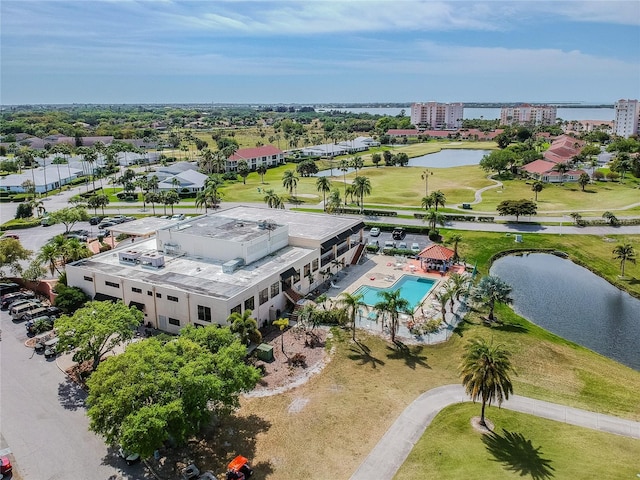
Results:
<point x="482" y="421"/>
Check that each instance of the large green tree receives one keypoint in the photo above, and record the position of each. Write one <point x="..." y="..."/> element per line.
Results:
<point x="11" y="254"/>
<point x="96" y="329"/>
<point x="290" y="181"/>
<point x="323" y="184"/>
<point x="517" y="208"/>
<point x="491" y="290"/>
<point x="162" y="388"/>
<point x="485" y="370"/>
<point x="69" y="216"/>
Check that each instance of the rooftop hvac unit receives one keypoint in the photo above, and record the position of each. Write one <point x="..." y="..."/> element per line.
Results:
<point x="232" y="265"/>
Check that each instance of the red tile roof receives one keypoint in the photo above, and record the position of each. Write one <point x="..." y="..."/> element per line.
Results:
<point x="400" y="132"/>
<point x="256" y="152"/>
<point x="539" y="166"/>
<point x="436" y="252"/>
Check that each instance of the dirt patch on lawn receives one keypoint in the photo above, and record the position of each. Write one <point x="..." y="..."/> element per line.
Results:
<point x="304" y="356"/>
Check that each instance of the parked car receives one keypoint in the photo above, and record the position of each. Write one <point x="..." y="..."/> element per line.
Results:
<point x="177" y="216"/>
<point x="38" y="312"/>
<point x="128" y="457"/>
<point x="388" y="245"/>
<point x="18" y="312"/>
<point x="403" y="245"/>
<point x="80" y="238"/>
<point x="374" y="232"/>
<point x="46" y="222"/>
<point x="21" y="301"/>
<point x="10" y="235"/>
<point x="398" y="233"/>
<point x="9" y="298"/>
<point x="415" y="247"/>
<point x="5" y="465"/>
<point x="104" y="225"/>
<point x="9" y="287"/>
<point x="54" y="312"/>
<point x="95" y="220"/>
<point x="51" y="347"/>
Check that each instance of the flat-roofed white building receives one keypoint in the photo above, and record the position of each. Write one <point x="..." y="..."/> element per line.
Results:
<point x="198" y="271"/>
<point x="437" y="116"/>
<point x="627" y="118"/>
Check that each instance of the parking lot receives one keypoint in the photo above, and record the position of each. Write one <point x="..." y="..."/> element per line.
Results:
<point x="410" y="238"/>
<point x="43" y="418"/>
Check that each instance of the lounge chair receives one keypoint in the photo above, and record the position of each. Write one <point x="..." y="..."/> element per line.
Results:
<point x="373" y="316"/>
<point x="333" y="285"/>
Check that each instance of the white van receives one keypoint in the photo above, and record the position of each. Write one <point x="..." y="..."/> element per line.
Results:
<point x="17" y="313"/>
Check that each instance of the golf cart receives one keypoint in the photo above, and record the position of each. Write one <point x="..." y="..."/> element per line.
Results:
<point x="239" y="469"/>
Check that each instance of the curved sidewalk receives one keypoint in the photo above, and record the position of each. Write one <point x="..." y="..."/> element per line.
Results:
<point x="389" y="454"/>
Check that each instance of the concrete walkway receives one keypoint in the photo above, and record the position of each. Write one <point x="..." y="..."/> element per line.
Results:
<point x="393" y="448"/>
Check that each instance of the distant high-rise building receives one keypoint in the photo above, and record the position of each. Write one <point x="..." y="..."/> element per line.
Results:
<point x="528" y="114"/>
<point x="437" y="116"/>
<point x="627" y="118"/>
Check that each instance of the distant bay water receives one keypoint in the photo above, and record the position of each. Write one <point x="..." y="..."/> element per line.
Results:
<point x="605" y="114"/>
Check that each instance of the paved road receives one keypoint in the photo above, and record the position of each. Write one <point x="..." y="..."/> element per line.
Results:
<point x="393" y="448"/>
<point x="43" y="418"/>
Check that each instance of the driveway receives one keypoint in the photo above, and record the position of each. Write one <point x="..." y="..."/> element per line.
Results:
<point x="44" y="421"/>
<point x="393" y="448"/>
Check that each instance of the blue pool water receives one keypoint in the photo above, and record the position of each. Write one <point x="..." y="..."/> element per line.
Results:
<point x="412" y="288"/>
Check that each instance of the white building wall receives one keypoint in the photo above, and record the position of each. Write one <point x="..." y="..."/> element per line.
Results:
<point x="627" y="118"/>
<point x="438" y="115"/>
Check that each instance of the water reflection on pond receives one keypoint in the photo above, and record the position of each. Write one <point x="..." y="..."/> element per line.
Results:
<point x="574" y="303"/>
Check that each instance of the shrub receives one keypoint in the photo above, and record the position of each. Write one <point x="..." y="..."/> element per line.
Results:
<point x="24" y="210"/>
<point x="298" y="360"/>
<point x="434" y="235"/>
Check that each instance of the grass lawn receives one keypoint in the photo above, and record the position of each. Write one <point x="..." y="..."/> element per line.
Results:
<point x="599" y="197"/>
<point x="523" y="446"/>
<point x="363" y="389"/>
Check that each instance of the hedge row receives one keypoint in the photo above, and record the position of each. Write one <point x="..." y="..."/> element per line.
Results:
<point x="370" y="213"/>
<point x="459" y="218"/>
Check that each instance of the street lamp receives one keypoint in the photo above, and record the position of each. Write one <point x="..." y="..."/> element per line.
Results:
<point x="425" y="177"/>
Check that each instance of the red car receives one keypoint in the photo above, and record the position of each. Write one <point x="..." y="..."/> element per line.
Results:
<point x="5" y="465"/>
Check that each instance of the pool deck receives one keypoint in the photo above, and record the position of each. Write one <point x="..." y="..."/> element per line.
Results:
<point x="383" y="271"/>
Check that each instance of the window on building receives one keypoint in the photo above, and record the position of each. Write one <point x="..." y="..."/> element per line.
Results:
<point x="275" y="289"/>
<point x="112" y="284"/>
<point x="296" y="276"/>
<point x="172" y="298"/>
<point x="307" y="269"/>
<point x="236" y="309"/>
<point x="88" y="279"/>
<point x="204" y="313"/>
<point x="314" y="265"/>
<point x="263" y="296"/>
<point x="158" y="295"/>
<point x="150" y="293"/>
<point x="250" y="303"/>
<point x="174" y="321"/>
<point x="136" y="290"/>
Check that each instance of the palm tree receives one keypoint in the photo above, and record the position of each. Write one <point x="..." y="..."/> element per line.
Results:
<point x="290" y="181"/>
<point x="456" y="238"/>
<point x="485" y="370"/>
<point x="491" y="290"/>
<point x="206" y="161"/>
<point x="611" y="218"/>
<point x="323" y="184"/>
<point x="335" y="200"/>
<point x="442" y="298"/>
<point x="357" y="163"/>
<point x="537" y="187"/>
<point x="583" y="180"/>
<point x="361" y="187"/>
<point x="433" y="217"/>
<point x="427" y="202"/>
<point x="351" y="303"/>
<point x="438" y="199"/>
<point x="262" y="169"/>
<point x="460" y="284"/>
<point x="273" y="200"/>
<point x="43" y="154"/>
<point x="344" y="166"/>
<point x="245" y="326"/>
<point x="282" y="323"/>
<point x="561" y="168"/>
<point x="625" y="253"/>
<point x="391" y="306"/>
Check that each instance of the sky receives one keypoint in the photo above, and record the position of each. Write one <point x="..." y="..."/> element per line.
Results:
<point x="314" y="51"/>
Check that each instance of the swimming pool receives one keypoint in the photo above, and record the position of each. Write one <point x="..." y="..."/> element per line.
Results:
<point x="412" y="288"/>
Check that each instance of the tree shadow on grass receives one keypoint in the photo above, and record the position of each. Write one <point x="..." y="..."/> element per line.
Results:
<point x="362" y="354"/>
<point x="70" y="395"/>
<point x="518" y="454"/>
<point x="510" y="327"/>
<point x="412" y="356"/>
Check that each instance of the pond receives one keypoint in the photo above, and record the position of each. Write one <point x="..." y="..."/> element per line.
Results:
<point x="574" y="303"/>
<point x="442" y="159"/>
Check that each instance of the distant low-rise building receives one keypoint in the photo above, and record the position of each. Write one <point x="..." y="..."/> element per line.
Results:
<point x="527" y="114"/>
<point x="267" y="155"/>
